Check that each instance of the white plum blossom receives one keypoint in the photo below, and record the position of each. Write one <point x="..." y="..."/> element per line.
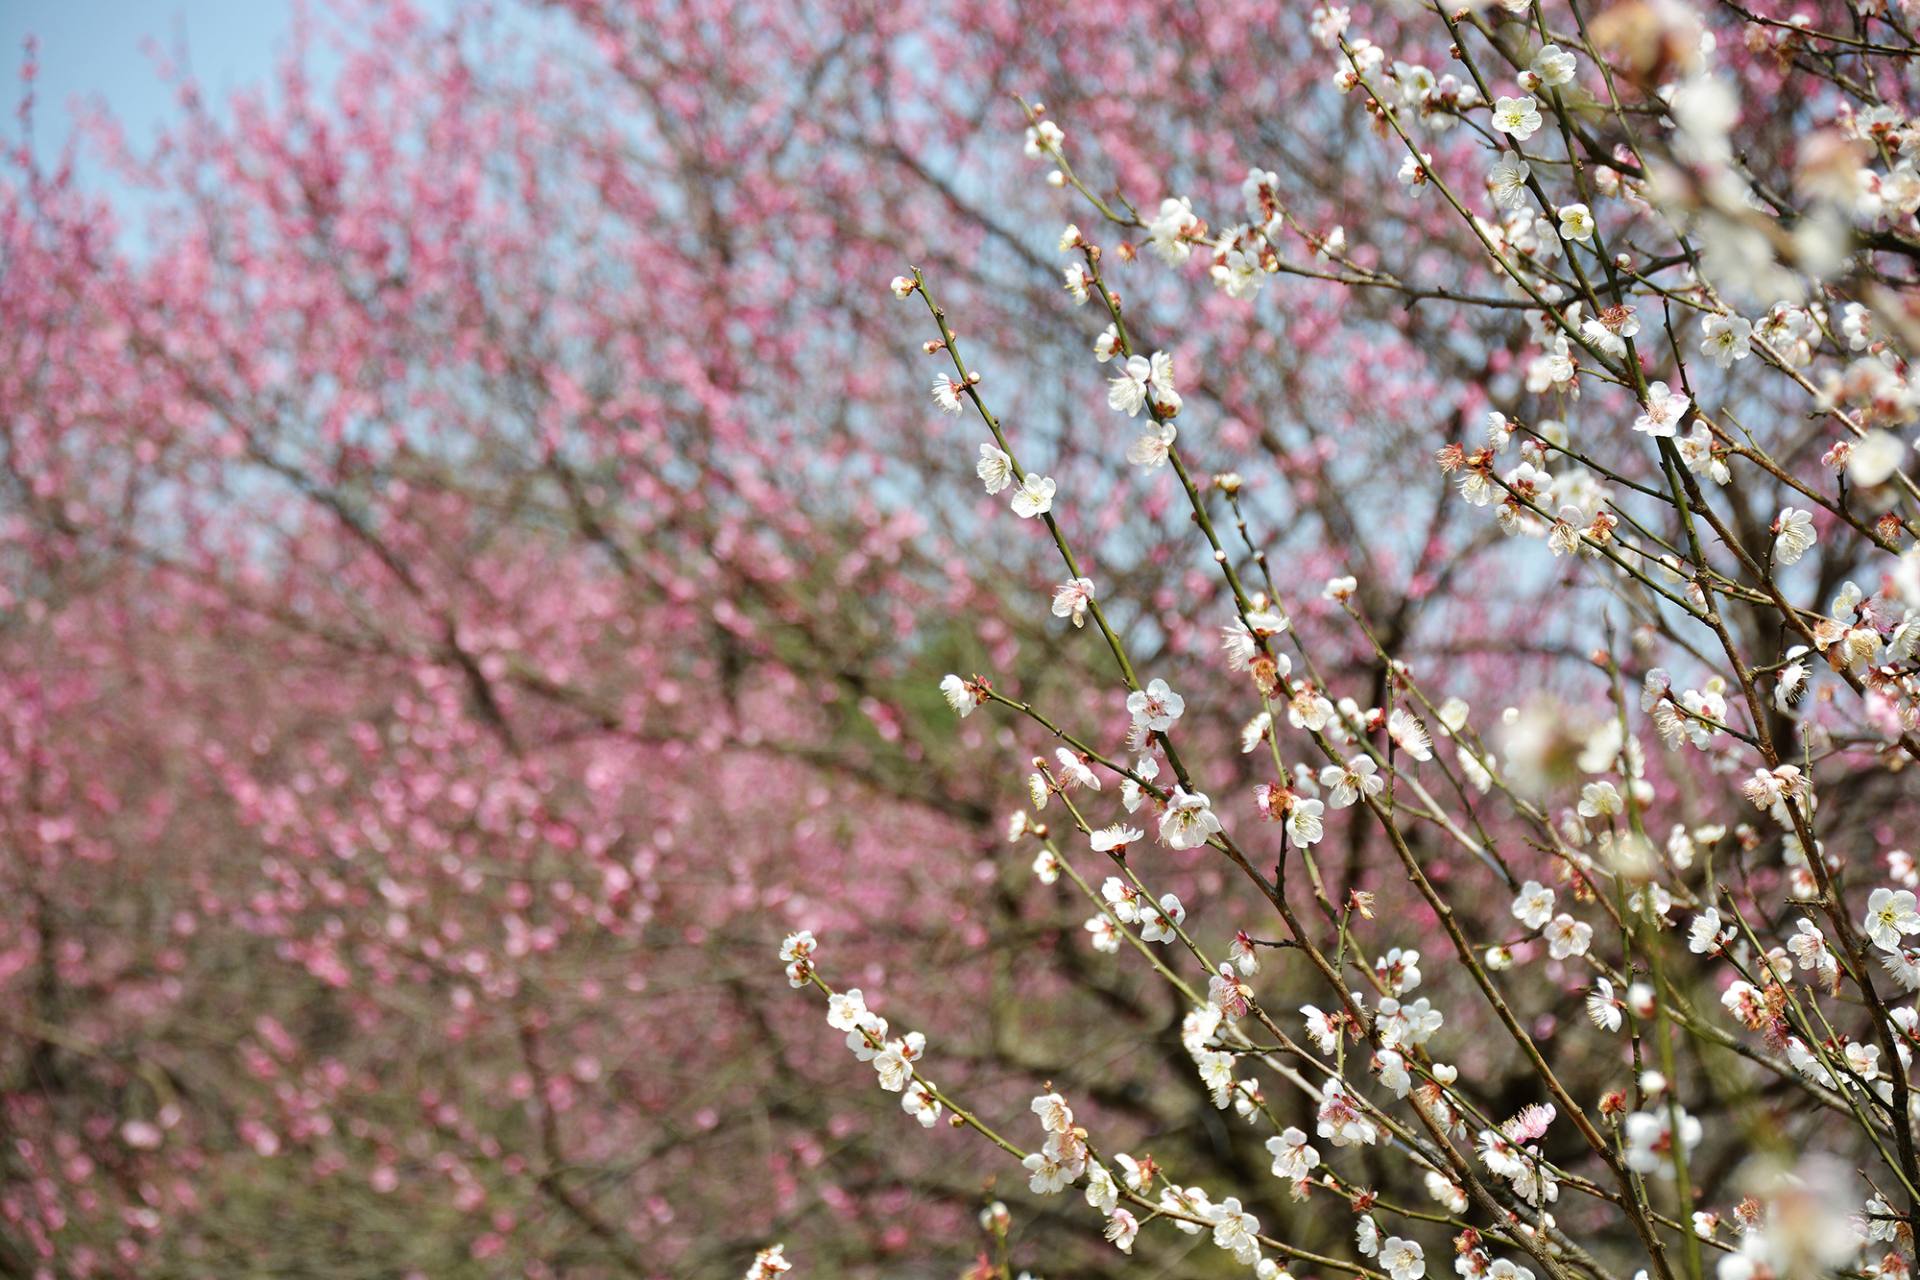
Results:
<point x="1341" y="1120"/>
<point x="1137" y="1174"/>
<point x="1725" y="339"/>
<point x="1105" y="934"/>
<point x="1554" y="367"/>
<point x="1074" y="772"/>
<point x="1322" y="1028"/>
<point x="1266" y="622"/>
<point x="1409" y="734"/>
<point x="848" y="1009"/>
<point x="1445" y="1191"/>
<point x="1706" y="936"/>
<point x="1809" y="947"/>
<point x="947" y="393"/>
<point x="1055" y="1115"/>
<point x="1610" y="330"/>
<point x="796" y="951"/>
<point x="1132" y="793"/>
<point x="1600" y="800"/>
<point x="1891" y="914"/>
<point x="1153" y="446"/>
<point x="1122" y="1228"/>
<point x="1189" y="820"/>
<point x="1161" y="923"/>
<point x="1236" y="1231"/>
<point x="1567" y="936"/>
<point x="1698" y="453"/>
<point x="1357" y="779"/>
<point x="1170" y="228"/>
<point x="1231" y="996"/>
<point x="868" y="1039"/>
<point x="1044" y="139"/>
<point x="919" y="1102"/>
<point x="1904" y="964"/>
<point x="1304" y="825"/>
<point x="1076" y="282"/>
<point x="894" y="1062"/>
<point x="1411" y="1024"/>
<point x="1553" y="65"/>
<point x="768" y="1263"/>
<point x="1392" y="1068"/>
<point x="1102" y="1192"/>
<point x="1048" y="1175"/>
<point x="1155" y="707"/>
<point x="1603" y="1007"/>
<point x="1216" y="1072"/>
<point x="995" y="468"/>
<point x="1793" y="534"/>
<point x="1576" y="222"/>
<point x="1398" y="970"/>
<point x="1414" y="172"/>
<point x="1143" y="381"/>
<point x="1329" y="24"/>
<point x="1293" y="1158"/>
<point x="1662" y="411"/>
<point x="1071" y="599"/>
<point x="1034" y="497"/>
<point x="1533" y="907"/>
<point x="1770" y="787"/>
<point x="1518" y="117"/>
<point x="960" y="695"/>
<point x="1402" y="1258"/>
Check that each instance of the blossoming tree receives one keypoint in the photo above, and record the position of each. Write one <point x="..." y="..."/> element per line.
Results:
<point x="1695" y="837"/>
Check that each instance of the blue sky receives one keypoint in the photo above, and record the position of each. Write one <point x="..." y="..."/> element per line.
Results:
<point x="93" y="49"/>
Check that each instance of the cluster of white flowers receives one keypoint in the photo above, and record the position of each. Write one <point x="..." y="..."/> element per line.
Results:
<point x="1597" y="313"/>
<point x="1063" y="1159"/>
<point x="1512" y="1152"/>
<point x="1158" y="921"/>
<point x="797" y="952"/>
<point x="1147" y="383"/>
<point x="1695" y="716"/>
<point x="893" y="1059"/>
<point x="1566" y="936"/>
